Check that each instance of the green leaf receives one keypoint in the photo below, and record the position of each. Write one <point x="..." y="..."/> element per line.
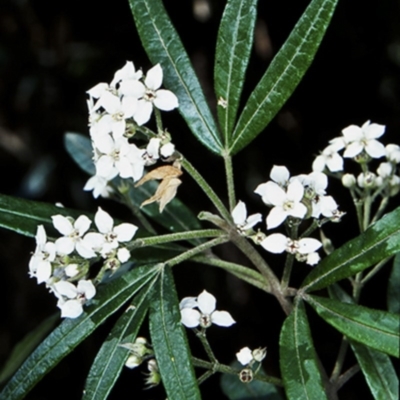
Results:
<point x="378" y="372"/>
<point x="376" y="366"/>
<point x="234" y="389"/>
<point x="111" y="358"/>
<point x="393" y="293"/>
<point x="164" y="46"/>
<point x="80" y="148"/>
<point x="374" y="328"/>
<point x="379" y="241"/>
<point x="71" y="332"/>
<point x="284" y="73"/>
<point x="23" y="216"/>
<point x="298" y="359"/>
<point x="235" y="39"/>
<point x="169" y="341"/>
<point x="25" y="347"/>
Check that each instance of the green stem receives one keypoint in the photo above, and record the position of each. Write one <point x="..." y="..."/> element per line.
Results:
<point x="287" y="271"/>
<point x="246" y="274"/>
<point x="374" y="270"/>
<point x="254" y="256"/>
<point x="381" y="209"/>
<point x="175" y="237"/>
<point x="201" y="334"/>
<point x="230" y="182"/>
<point x="347" y="376"/>
<point x="196" y="250"/>
<point x="157" y="113"/>
<point x="146" y="131"/>
<point x="233" y="371"/>
<point x="337" y="369"/>
<point x="205" y="376"/>
<point x="367" y="212"/>
<point x="206" y="189"/>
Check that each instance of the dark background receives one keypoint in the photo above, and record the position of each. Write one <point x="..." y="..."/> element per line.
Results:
<point x="52" y="52"/>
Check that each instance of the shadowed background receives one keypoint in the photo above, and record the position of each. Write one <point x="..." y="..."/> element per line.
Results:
<point x="52" y="52"/>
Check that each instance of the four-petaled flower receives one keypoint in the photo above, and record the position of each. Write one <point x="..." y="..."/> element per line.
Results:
<point x="207" y="315"/>
<point x="364" y="138"/>
<point x="241" y="220"/>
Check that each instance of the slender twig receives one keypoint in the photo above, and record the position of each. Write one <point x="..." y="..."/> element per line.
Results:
<point x="192" y="171"/>
<point x="374" y="270"/>
<point x="246" y="274"/>
<point x="347" y="376"/>
<point x="157" y="113"/>
<point x="196" y="250"/>
<point x="337" y="369"/>
<point x="381" y="209"/>
<point x="230" y="182"/>
<point x="233" y="371"/>
<point x="175" y="237"/>
<point x="201" y="334"/>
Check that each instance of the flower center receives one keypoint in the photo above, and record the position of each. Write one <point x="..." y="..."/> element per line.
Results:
<point x="205" y="321"/>
<point x="150" y="95"/>
<point x="288" y="205"/>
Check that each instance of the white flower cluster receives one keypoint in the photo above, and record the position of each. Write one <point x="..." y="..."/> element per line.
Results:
<point x="116" y="111"/>
<point x="361" y="145"/>
<point x="298" y="197"/>
<point x="61" y="263"/>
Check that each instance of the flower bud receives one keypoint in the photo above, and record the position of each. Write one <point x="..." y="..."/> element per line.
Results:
<point x="348" y="180"/>
<point x="259" y="354"/>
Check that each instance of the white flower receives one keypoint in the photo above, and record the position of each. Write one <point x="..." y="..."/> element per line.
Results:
<point x="208" y="315"/>
<point x="393" y="153"/>
<point x="73" y="234"/>
<point x="151" y="95"/>
<point x="242" y="222"/>
<point x="244" y="356"/>
<point x="280" y="175"/>
<point x="71" y="297"/>
<point x="330" y="158"/>
<point x="99" y="185"/>
<point x="44" y="255"/>
<point x="284" y="203"/>
<point x="118" y="157"/>
<point x="364" y="138"/>
<point x="117" y="111"/>
<point x="126" y="74"/>
<point x="348" y="180"/>
<point x="278" y="243"/>
<point x="110" y="236"/>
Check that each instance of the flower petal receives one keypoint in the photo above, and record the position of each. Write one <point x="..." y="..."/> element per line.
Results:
<point x="190" y="318"/>
<point x="165" y="100"/>
<point x="222" y="318"/>
<point x="275" y="243"/>
<point x="206" y="302"/>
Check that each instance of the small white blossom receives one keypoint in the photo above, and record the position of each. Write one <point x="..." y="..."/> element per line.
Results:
<point x="45" y="253"/>
<point x="285" y="203"/>
<point x="207" y="315"/>
<point x="71" y="297"/>
<point x="110" y="236"/>
<point x="278" y="243"/>
<point x="393" y="153"/>
<point x="330" y="158"/>
<point x="73" y="235"/>
<point x="364" y="138"/>
<point x="151" y="94"/>
<point x="242" y="222"/>
<point x="313" y="258"/>
<point x="244" y="356"/>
